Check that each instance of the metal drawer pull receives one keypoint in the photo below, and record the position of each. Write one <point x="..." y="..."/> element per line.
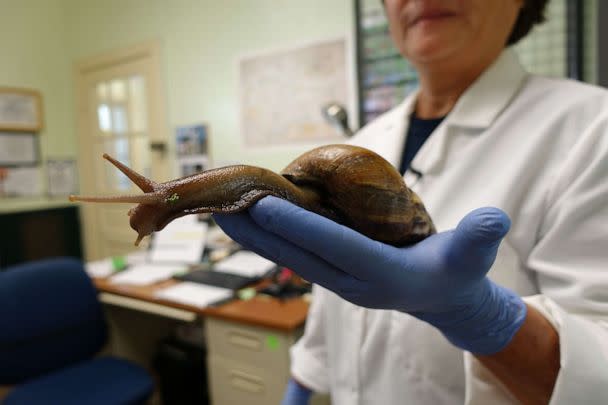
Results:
<point x="246" y="341"/>
<point x="246" y="381"/>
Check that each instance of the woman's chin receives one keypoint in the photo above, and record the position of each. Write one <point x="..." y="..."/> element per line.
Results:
<point x="428" y="55"/>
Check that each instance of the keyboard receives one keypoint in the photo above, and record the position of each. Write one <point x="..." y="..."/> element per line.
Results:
<point x="217" y="279"/>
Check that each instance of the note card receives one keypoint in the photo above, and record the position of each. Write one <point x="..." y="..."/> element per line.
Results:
<point x="144" y="274"/>
<point x="245" y="263"/>
<point x="195" y="294"/>
<point x="181" y="241"/>
<point x="100" y="268"/>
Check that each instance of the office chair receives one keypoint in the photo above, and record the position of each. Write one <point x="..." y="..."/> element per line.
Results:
<point x="51" y="327"/>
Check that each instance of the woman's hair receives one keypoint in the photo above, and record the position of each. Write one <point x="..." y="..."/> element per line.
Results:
<point x="531" y="13"/>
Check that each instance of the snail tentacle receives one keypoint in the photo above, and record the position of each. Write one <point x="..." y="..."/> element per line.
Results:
<point x="146" y="185"/>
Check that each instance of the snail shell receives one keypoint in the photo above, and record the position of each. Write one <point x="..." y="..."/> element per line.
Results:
<point x="348" y="184"/>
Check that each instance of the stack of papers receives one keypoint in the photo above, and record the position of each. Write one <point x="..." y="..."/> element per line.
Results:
<point x="194" y="294"/>
<point x="100" y="268"/>
<point x="181" y="241"/>
<point x="145" y="273"/>
<point x="245" y="263"/>
<point x="105" y="267"/>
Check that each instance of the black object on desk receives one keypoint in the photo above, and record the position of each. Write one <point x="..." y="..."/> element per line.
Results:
<point x="218" y="279"/>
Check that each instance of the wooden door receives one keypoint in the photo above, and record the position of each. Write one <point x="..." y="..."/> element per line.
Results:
<point x="120" y="112"/>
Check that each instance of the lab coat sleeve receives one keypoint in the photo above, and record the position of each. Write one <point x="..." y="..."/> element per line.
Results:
<point x="309" y="354"/>
<point x="571" y="263"/>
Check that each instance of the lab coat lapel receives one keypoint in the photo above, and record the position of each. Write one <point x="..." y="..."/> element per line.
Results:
<point x="388" y="139"/>
<point x="476" y="109"/>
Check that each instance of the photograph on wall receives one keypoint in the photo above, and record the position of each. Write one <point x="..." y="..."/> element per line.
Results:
<point x="192" y="145"/>
<point x="193" y="164"/>
<point x="191" y="140"/>
<point x="282" y="94"/>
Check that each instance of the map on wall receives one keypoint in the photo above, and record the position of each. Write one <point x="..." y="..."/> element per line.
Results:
<point x="282" y="94"/>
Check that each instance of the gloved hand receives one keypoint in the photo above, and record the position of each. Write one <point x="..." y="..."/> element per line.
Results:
<point x="441" y="280"/>
<point x="296" y="394"/>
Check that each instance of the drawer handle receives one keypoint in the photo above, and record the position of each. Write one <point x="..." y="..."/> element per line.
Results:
<point x="243" y="340"/>
<point x="246" y="382"/>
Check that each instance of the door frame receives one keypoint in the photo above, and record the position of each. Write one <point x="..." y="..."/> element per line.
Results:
<point x="149" y="51"/>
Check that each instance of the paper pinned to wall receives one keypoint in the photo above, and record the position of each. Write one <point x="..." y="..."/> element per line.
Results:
<point x="282" y="94"/>
<point x="245" y="263"/>
<point x="62" y="178"/>
<point x="20" y="181"/>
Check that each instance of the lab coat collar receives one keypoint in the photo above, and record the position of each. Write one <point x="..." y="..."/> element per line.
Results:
<point x="489" y="95"/>
<point x="386" y="135"/>
<point x="477" y="109"/>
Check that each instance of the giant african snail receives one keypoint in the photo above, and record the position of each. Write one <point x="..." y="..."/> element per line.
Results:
<point x="349" y="184"/>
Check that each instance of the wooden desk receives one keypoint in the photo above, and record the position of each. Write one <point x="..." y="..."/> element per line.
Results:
<point x="261" y="310"/>
<point x="247" y="341"/>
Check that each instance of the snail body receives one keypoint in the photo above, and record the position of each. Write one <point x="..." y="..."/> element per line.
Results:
<point x="348" y="184"/>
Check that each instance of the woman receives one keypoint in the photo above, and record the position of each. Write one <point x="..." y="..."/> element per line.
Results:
<point x="536" y="150"/>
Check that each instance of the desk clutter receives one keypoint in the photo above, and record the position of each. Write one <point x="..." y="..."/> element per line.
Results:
<point x="211" y="268"/>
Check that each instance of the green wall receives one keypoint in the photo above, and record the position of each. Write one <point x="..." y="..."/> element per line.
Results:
<point x="34" y="54"/>
<point x="201" y="43"/>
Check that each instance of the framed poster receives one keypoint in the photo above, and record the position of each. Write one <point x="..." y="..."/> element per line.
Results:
<point x="18" y="149"/>
<point x="20" y="110"/>
<point x="20" y="182"/>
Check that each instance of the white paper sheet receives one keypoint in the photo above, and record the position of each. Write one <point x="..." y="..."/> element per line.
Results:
<point x="198" y="295"/>
<point x="182" y="241"/>
<point x="22" y="181"/>
<point x="245" y="263"/>
<point x="100" y="268"/>
<point x="145" y="273"/>
<point x="62" y="179"/>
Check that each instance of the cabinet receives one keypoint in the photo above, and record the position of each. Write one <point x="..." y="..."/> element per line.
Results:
<point x="248" y="364"/>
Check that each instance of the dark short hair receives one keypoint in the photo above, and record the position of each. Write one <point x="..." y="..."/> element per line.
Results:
<point x="531" y="13"/>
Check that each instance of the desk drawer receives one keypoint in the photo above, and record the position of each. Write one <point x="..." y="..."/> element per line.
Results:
<point x="258" y="346"/>
<point x="233" y="382"/>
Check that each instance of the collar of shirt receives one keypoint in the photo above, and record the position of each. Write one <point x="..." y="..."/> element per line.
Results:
<point x="477" y="108"/>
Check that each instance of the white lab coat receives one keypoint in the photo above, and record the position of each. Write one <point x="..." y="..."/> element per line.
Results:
<point x="536" y="148"/>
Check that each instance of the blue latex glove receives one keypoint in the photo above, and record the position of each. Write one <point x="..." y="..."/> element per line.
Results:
<point x="296" y="394"/>
<point x="441" y="280"/>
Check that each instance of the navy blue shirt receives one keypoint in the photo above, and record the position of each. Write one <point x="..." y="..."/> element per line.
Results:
<point x="417" y="133"/>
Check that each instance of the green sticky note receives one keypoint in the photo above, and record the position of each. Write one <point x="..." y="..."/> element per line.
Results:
<point x="246" y="293"/>
<point x="272" y="342"/>
<point x="118" y="263"/>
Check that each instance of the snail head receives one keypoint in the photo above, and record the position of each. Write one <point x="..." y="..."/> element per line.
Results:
<point x="149" y="214"/>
